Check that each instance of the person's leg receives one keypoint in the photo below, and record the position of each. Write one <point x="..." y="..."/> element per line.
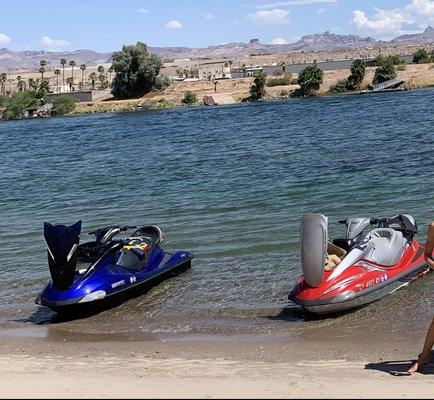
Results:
<point x="424" y="356"/>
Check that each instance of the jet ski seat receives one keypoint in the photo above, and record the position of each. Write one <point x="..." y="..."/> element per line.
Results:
<point x="153" y="234"/>
<point x="141" y="244"/>
<point x="386" y="246"/>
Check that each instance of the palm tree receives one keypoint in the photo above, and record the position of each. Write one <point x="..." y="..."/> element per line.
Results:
<point x="33" y="84"/>
<point x="42" y="72"/>
<point x="384" y="73"/>
<point x="83" y="71"/>
<point x="3" y="78"/>
<point x="20" y="83"/>
<point x="102" y="76"/>
<point x="72" y="64"/>
<point x="93" y="77"/>
<point x="57" y="72"/>
<point x="310" y="80"/>
<point x="358" y="71"/>
<point x="42" y="63"/>
<point x="63" y="63"/>
<point x="70" y="82"/>
<point x="243" y="68"/>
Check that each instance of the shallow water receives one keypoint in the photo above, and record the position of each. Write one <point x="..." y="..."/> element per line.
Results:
<point x="229" y="183"/>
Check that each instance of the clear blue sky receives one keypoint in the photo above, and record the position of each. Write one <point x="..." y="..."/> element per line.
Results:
<point x="106" y="25"/>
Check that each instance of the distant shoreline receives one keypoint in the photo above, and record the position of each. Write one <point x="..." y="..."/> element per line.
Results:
<point x="233" y="91"/>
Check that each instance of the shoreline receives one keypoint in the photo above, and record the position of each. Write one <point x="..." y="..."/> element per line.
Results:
<point x="211" y="368"/>
<point x="233" y="91"/>
<point x="131" y="109"/>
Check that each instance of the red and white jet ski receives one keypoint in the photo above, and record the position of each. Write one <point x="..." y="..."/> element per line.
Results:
<point x="378" y="257"/>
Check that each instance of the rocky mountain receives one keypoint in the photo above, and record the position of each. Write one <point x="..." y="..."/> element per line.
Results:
<point x="316" y="42"/>
<point x="236" y="50"/>
<point x="425" y="37"/>
<point x="331" y="41"/>
<point x="30" y="59"/>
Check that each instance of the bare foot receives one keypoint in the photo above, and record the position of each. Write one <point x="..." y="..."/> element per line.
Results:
<point x="423" y="359"/>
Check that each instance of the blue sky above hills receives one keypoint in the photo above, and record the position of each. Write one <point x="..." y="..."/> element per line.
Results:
<point x="106" y="25"/>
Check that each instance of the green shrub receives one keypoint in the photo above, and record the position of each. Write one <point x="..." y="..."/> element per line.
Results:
<point x="64" y="104"/>
<point x="189" y="98"/>
<point x="340" y="87"/>
<point x="384" y="73"/>
<point x="420" y="56"/>
<point x="19" y="102"/>
<point x="282" y="81"/>
<point x="393" y="59"/>
<point x="161" y="83"/>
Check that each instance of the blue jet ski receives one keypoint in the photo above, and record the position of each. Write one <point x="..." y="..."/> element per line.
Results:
<point x="106" y="268"/>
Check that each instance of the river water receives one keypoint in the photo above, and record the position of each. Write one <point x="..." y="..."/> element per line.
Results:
<point x="229" y="183"/>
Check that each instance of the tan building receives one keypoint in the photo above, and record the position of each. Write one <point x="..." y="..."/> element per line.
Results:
<point x="214" y="70"/>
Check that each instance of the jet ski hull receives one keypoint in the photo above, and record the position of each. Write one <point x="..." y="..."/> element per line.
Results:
<point x="351" y="300"/>
<point x="129" y="286"/>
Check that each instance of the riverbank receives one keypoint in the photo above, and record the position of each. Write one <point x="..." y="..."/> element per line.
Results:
<point x="208" y="368"/>
<point x="233" y="91"/>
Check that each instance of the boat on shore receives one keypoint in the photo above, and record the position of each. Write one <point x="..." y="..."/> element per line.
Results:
<point x="377" y="257"/>
<point x="109" y="269"/>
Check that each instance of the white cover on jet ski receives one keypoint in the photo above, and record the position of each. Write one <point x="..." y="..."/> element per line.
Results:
<point x="313" y="247"/>
<point x="387" y="246"/>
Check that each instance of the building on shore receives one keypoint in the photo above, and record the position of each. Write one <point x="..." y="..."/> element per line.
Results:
<point x="214" y="70"/>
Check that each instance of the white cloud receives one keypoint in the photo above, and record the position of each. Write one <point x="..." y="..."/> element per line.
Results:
<point x="414" y="16"/>
<point x="209" y="16"/>
<point x="293" y="3"/>
<point x="4" y="39"/>
<point x="143" y="11"/>
<point x="173" y="24"/>
<point x="383" y="22"/>
<point x="320" y="11"/>
<point x="53" y="44"/>
<point x="421" y="7"/>
<point x="269" y="17"/>
<point x="278" y="40"/>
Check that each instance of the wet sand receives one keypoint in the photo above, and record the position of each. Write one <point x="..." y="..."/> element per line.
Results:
<point x="214" y="367"/>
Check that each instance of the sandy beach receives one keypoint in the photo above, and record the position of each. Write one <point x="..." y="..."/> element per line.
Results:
<point x="69" y="366"/>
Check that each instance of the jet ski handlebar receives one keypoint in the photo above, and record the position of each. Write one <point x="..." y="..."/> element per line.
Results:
<point x="118" y="228"/>
<point x="373" y="221"/>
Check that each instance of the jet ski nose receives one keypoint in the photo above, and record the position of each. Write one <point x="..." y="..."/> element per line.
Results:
<point x="62" y="243"/>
